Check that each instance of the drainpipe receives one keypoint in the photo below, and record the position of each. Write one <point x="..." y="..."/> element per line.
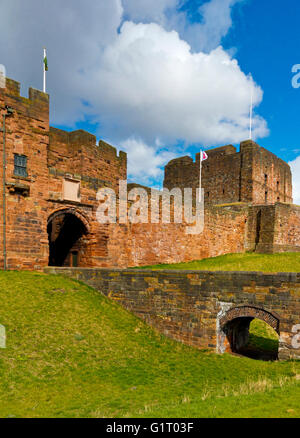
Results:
<point x="9" y="112"/>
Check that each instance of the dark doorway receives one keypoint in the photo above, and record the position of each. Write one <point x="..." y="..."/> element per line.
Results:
<point x="252" y="338"/>
<point x="65" y="233"/>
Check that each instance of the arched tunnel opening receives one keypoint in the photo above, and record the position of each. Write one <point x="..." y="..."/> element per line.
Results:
<point x="65" y="232"/>
<point x="253" y="338"/>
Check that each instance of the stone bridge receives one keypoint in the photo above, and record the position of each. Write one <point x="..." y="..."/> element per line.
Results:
<point x="204" y="309"/>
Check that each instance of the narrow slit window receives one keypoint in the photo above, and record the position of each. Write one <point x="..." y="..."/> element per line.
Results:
<point x="20" y="165"/>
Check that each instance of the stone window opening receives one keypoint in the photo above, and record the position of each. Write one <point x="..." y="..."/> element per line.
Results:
<point x="20" y="165"/>
<point x="266" y="197"/>
<point x="266" y="178"/>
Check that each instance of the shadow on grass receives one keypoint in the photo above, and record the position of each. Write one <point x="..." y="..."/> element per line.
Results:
<point x="261" y="348"/>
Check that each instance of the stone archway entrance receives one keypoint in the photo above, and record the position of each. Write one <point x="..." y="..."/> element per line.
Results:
<point x="67" y="230"/>
<point x="234" y="331"/>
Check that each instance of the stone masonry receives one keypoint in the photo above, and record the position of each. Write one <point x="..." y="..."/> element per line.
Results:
<point x="204" y="309"/>
<point x="51" y="185"/>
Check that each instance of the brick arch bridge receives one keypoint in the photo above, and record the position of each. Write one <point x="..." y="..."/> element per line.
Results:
<point x="204" y="309"/>
<point x="233" y="326"/>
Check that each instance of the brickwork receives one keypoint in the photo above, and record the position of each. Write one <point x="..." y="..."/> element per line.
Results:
<point x="225" y="231"/>
<point x="253" y="175"/>
<point x="53" y="156"/>
<point x="196" y="307"/>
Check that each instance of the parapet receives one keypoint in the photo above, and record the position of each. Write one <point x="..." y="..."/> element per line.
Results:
<point x="182" y="161"/>
<point x="35" y="106"/>
<point x="108" y="150"/>
<point x="82" y="138"/>
<point x="248" y="145"/>
<point x="223" y="150"/>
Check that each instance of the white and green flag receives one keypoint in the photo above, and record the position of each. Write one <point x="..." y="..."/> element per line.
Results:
<point x="45" y="62"/>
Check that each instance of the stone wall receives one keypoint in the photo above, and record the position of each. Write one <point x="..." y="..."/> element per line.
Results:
<point x="38" y="208"/>
<point x="286" y="229"/>
<point x="195" y="307"/>
<point x="253" y="175"/>
<point x="225" y="231"/>
<point x="53" y="156"/>
<point x="27" y="133"/>
<point x="273" y="228"/>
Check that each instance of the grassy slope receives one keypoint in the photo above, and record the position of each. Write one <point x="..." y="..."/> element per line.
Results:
<point x="286" y="262"/>
<point x="73" y="353"/>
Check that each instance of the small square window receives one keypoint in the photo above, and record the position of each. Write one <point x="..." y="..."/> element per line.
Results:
<point x="20" y="165"/>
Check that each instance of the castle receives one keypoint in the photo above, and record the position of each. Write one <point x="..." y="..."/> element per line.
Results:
<point x="50" y="180"/>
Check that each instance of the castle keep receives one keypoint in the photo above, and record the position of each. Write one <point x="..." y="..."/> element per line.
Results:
<point x="253" y="175"/>
<point x="52" y="178"/>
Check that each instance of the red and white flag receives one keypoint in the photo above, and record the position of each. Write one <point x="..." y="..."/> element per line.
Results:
<point x="203" y="155"/>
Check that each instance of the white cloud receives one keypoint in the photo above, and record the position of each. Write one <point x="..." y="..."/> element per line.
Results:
<point x="295" y="167"/>
<point x="146" y="82"/>
<point x="145" y="162"/>
<point x="151" y="85"/>
<point x="205" y="34"/>
<point x="215" y="24"/>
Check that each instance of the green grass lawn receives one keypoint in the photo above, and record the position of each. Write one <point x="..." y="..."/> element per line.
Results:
<point x="73" y="353"/>
<point x="285" y="262"/>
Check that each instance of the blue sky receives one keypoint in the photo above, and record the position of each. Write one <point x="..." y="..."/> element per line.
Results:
<point x="267" y="40"/>
<point x="162" y="79"/>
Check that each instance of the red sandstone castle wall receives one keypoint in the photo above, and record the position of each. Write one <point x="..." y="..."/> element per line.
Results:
<point x="54" y="155"/>
<point x="286" y="229"/>
<point x="28" y="134"/>
<point x="272" y="178"/>
<point x="252" y="175"/>
<point x="225" y="232"/>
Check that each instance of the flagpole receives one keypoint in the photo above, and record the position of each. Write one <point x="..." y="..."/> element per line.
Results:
<point x="200" y="179"/>
<point x="44" y="81"/>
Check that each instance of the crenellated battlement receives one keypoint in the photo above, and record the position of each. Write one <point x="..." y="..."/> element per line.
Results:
<point x="252" y="175"/>
<point x="52" y="182"/>
<point x="35" y="106"/>
<point x="81" y="138"/>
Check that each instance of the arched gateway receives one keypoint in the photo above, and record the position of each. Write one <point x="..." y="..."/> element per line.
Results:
<point x="235" y="323"/>
<point x="67" y="230"/>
